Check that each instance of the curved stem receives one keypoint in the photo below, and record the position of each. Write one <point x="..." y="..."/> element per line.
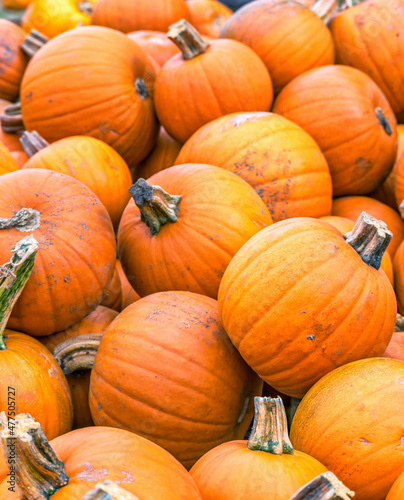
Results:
<point x="326" y="486"/>
<point x="108" y="490"/>
<point x="187" y="39"/>
<point x="156" y="206"/>
<point x="25" y="220"/>
<point x="77" y="353"/>
<point x="38" y="471"/>
<point x="11" y="121"/>
<point x="383" y="121"/>
<point x="33" y="42"/>
<point x="270" y="427"/>
<point x="13" y="276"/>
<point x="370" y="238"/>
<point x="32" y="142"/>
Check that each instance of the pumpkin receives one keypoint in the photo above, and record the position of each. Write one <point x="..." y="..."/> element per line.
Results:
<point x="367" y="36"/>
<point x="247" y="470"/>
<point x="351" y="207"/>
<point x="280" y="161"/>
<point x="352" y="422"/>
<point x="155" y="44"/>
<point x="190" y="380"/>
<point x="13" y="61"/>
<point x="78" y="460"/>
<point x="11" y="141"/>
<point x="16" y="4"/>
<point x="395" y="349"/>
<point x="183" y="226"/>
<point x="113" y="297"/>
<point x="338" y="306"/>
<point x="112" y="105"/>
<point x="7" y="162"/>
<point x="398" y="267"/>
<point x="397" y="490"/>
<point x="206" y="81"/>
<point x="88" y="160"/>
<point x="129" y="295"/>
<point x="208" y="16"/>
<point x="134" y="15"/>
<point x="288" y="37"/>
<point x="76" y="247"/>
<point x="399" y="184"/>
<point x="350" y="119"/>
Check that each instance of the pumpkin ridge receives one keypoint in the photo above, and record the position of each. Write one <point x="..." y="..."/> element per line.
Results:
<point x="206" y="237"/>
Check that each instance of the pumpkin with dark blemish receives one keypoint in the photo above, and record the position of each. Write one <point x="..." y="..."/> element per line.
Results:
<point x="12" y="60"/>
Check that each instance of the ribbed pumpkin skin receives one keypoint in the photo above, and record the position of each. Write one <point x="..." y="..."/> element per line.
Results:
<point x="106" y="104"/>
<point x="134" y="15"/>
<point x="7" y="162"/>
<point x="192" y="392"/>
<point x="217" y="214"/>
<point x="397" y="490"/>
<point x="113" y="297"/>
<point x="93" y="163"/>
<point x="155" y="44"/>
<point x="95" y="454"/>
<point x="289" y="38"/>
<point x="76" y="256"/>
<point x="352" y="206"/>
<point x="338" y="309"/>
<point x="395" y="349"/>
<point x="190" y="93"/>
<point x="232" y="471"/>
<point x="352" y="422"/>
<point x="276" y="157"/>
<point x="368" y="37"/>
<point x="129" y="295"/>
<point x="336" y="106"/>
<point x="13" y="61"/>
<point x="208" y="16"/>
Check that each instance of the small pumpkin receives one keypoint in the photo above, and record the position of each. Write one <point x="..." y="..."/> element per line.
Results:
<point x="208" y="16"/>
<point x="206" y="81"/>
<point x="12" y="61"/>
<point x="7" y="162"/>
<point x="155" y="44"/>
<point x="397" y="490"/>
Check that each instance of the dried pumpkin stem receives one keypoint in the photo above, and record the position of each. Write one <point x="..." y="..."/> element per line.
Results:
<point x="25" y="220"/>
<point x="32" y="142"/>
<point x="11" y="121"/>
<point x="370" y="238"/>
<point x="346" y="4"/>
<point x="85" y="7"/>
<point x="326" y="486"/>
<point x="33" y="42"/>
<point x="324" y="9"/>
<point x="13" y="276"/>
<point x="187" y="39"/>
<point x="77" y="353"/>
<point x="108" y="490"/>
<point x="38" y="471"/>
<point x="270" y="427"/>
<point x="156" y="206"/>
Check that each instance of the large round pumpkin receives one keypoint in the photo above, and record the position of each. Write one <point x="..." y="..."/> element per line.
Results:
<point x="12" y="61"/>
<point x="289" y="38"/>
<point x="350" y="119"/>
<point x="397" y="490"/>
<point x="337" y="308"/>
<point x="192" y="392"/>
<point x="183" y="227"/>
<point x="208" y="16"/>
<point x="278" y="158"/>
<point x="76" y="257"/>
<point x="352" y="422"/>
<point x="112" y="91"/>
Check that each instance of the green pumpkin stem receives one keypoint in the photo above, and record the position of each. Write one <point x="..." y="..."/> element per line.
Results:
<point x="326" y="486"/>
<point x="33" y="42"/>
<point x="13" y="276"/>
<point x="370" y="238"/>
<point x="38" y="471"/>
<point x="77" y="353"/>
<point x="156" y="206"/>
<point x="11" y="121"/>
<point x="32" y="142"/>
<point x="187" y="39"/>
<point x="324" y="9"/>
<point x="108" y="490"/>
<point x="270" y="427"/>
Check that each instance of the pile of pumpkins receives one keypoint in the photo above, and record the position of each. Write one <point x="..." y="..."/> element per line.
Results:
<point x="202" y="250"/>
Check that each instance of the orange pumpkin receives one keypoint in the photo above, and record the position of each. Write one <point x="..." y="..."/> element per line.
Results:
<point x="155" y="44"/>
<point x="350" y="119"/>
<point x="351" y="207"/>
<point x="208" y="16"/>
<point x="339" y="308"/>
<point x="278" y="158"/>
<point x="16" y="4"/>
<point x="13" y="61"/>
<point x="399" y="184"/>
<point x="398" y="266"/>
<point x="183" y="227"/>
<point x="206" y="81"/>
<point x="397" y="490"/>
<point x="288" y="37"/>
<point x="76" y="248"/>
<point x="129" y="15"/>
<point x="352" y="422"/>
<point x="190" y="380"/>
<point x="88" y="160"/>
<point x="7" y="162"/>
<point x="12" y="141"/>
<point x="113" y="297"/>
<point x="129" y="295"/>
<point x="78" y="460"/>
<point x="112" y="105"/>
<point x="267" y="462"/>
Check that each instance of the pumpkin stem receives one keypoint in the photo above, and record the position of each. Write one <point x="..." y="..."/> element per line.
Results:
<point x="156" y="206"/>
<point x="85" y="7"/>
<point x="383" y="121"/>
<point x="346" y="4"/>
<point x="77" y="353"/>
<point x="25" y="220"/>
<point x="108" y="490"/>
<point x="11" y="121"/>
<point x="324" y="9"/>
<point x="13" y="276"/>
<point x="33" y="42"/>
<point x="38" y="471"/>
<point x="32" y="142"/>
<point x="141" y="88"/>
<point x="326" y="486"/>
<point x="270" y="427"/>
<point x="399" y="323"/>
<point x="370" y="238"/>
<point x="187" y="39"/>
